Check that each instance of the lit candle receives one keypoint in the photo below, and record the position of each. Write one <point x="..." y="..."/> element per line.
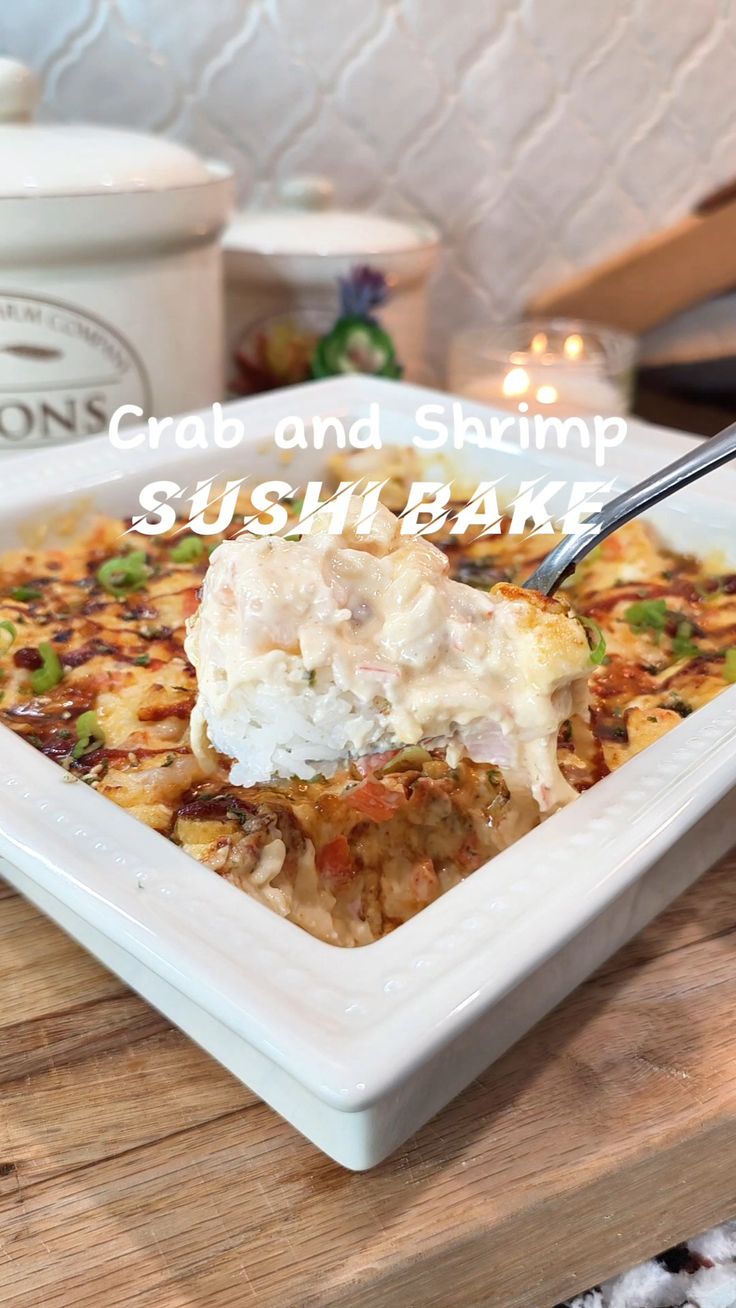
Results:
<point x="560" y="369"/>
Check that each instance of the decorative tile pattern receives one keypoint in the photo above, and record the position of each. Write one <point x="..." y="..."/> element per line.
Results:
<point x="539" y="136"/>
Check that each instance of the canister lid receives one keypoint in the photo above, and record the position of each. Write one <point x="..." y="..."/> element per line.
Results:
<point x="42" y="159"/>
<point x="306" y="224"/>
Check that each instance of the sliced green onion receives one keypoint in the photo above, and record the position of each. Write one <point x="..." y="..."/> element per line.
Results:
<point x="682" y="646"/>
<point x="647" y="613"/>
<point x="121" y="575"/>
<point x="729" y="667"/>
<point x="597" y="651"/>
<point x="23" y="593"/>
<point x="412" y="756"/>
<point x="50" y="673"/>
<point x="89" y="734"/>
<point x="11" y="631"/>
<point x="188" y="550"/>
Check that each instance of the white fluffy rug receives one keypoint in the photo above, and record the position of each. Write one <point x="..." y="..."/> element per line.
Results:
<point x="699" y="1274"/>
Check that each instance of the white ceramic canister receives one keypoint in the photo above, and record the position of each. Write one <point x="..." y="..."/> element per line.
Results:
<point x="110" y="274"/>
<point x="283" y="269"/>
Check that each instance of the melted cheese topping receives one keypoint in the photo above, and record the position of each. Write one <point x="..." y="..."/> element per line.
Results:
<point x="365" y="850"/>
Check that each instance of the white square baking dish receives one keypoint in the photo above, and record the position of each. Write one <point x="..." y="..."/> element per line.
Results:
<point x="357" y="1048"/>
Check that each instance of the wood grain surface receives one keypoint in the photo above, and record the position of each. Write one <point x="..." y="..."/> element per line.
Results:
<point x="657" y="277"/>
<point x="135" y="1171"/>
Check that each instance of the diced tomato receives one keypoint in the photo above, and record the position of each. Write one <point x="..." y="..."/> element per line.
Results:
<point x="375" y="800"/>
<point x="334" y="861"/>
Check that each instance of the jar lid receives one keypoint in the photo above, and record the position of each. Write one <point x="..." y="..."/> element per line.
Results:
<point x="307" y="225"/>
<point x="77" y="159"/>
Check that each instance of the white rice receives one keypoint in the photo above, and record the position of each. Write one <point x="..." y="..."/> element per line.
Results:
<point x="292" y="729"/>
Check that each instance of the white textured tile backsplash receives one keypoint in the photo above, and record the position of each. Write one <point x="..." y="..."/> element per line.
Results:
<point x="538" y="134"/>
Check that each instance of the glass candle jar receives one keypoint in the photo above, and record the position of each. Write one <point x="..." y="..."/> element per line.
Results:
<point x="556" y="366"/>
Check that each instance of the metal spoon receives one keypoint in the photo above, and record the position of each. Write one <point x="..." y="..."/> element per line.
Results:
<point x="565" y="557"/>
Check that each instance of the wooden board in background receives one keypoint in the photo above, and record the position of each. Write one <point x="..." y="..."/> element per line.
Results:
<point x="137" y="1173"/>
<point x="657" y="277"/>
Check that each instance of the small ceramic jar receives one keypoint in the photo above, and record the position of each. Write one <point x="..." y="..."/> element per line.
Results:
<point x="110" y="274"/>
<point x="291" y="274"/>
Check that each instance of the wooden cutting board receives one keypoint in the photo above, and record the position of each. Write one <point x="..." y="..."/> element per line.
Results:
<point x="137" y="1173"/>
<point x="657" y="277"/>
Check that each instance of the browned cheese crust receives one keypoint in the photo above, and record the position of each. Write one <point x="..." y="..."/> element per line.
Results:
<point x="353" y="857"/>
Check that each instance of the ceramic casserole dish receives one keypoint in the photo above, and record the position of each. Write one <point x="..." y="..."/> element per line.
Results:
<point x="358" y="1047"/>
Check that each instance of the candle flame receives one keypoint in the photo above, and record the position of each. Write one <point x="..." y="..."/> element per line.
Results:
<point x="573" y="346"/>
<point x="547" y="394"/>
<point x="516" y="382"/>
<point x="538" y="343"/>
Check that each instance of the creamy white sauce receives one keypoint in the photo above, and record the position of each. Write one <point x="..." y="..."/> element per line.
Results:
<point x="309" y="651"/>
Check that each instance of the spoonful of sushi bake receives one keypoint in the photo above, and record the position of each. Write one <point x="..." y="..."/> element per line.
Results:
<point x="317" y="651"/>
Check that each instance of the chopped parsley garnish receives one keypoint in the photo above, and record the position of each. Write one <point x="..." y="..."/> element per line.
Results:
<point x="23" y="593"/>
<point x="598" y="650"/>
<point x="188" y="550"/>
<point x="50" y="672"/>
<point x="89" y="734"/>
<point x="121" y="575"/>
<point x="142" y="660"/>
